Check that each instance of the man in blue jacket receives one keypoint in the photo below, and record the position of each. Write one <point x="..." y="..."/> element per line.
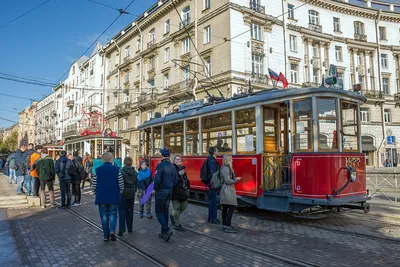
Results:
<point x="64" y="179"/>
<point x="212" y="167"/>
<point x="19" y="167"/>
<point x="108" y="185"/>
<point x="165" y="180"/>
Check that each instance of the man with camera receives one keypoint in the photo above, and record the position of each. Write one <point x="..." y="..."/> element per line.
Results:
<point x="19" y="167"/>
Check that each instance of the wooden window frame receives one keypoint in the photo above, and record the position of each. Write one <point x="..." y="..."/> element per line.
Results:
<point x="358" y="124"/>
<point x="337" y="126"/>
<point x="294" y="126"/>
<point x="250" y="125"/>
<point x="275" y="125"/>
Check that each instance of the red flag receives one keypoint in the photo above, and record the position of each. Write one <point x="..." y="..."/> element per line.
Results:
<point x="283" y="80"/>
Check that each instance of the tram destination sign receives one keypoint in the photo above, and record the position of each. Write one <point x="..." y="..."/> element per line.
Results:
<point x="191" y="105"/>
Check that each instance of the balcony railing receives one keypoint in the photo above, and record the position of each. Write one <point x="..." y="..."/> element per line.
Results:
<point x="258" y="77"/>
<point x="148" y="99"/>
<point x="373" y="94"/>
<point x="185" y="22"/>
<point x="151" y="44"/>
<point x="315" y="28"/>
<point x="70" y="133"/>
<point x="360" y="37"/>
<point x="257" y="7"/>
<point x="397" y="99"/>
<point x="123" y="109"/>
<point x="70" y="103"/>
<point x="180" y="89"/>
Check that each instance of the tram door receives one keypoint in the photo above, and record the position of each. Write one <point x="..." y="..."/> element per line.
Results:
<point x="283" y="145"/>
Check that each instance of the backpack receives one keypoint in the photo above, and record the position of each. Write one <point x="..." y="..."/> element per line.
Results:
<point x="204" y="173"/>
<point x="216" y="181"/>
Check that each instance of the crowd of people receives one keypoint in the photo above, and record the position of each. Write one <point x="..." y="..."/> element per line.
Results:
<point x="115" y="188"/>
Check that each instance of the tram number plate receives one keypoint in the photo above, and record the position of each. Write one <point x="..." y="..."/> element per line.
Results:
<point x="353" y="162"/>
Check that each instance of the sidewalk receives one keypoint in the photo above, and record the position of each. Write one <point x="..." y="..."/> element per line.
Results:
<point x="9" y="255"/>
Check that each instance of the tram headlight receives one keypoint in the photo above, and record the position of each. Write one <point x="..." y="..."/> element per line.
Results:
<point x="353" y="174"/>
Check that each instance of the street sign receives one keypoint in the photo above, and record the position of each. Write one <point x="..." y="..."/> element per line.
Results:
<point x="390" y="140"/>
<point x="332" y="70"/>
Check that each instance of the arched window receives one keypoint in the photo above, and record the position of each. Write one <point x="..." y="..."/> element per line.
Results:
<point x="313" y="17"/>
<point x="186" y="15"/>
<point x="358" y="28"/>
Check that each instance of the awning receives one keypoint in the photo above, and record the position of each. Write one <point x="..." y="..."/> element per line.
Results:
<point x="368" y="147"/>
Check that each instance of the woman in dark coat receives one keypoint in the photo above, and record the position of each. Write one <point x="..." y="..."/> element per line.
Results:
<point x="180" y="193"/>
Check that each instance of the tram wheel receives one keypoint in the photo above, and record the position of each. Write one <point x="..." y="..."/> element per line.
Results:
<point x="367" y="208"/>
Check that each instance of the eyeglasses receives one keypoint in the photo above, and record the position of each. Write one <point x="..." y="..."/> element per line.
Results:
<point x="178" y="159"/>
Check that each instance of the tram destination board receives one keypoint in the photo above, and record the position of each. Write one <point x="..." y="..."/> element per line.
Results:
<point x="191" y="105"/>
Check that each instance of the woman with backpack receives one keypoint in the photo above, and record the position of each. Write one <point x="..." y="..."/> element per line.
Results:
<point x="180" y="193"/>
<point x="144" y="180"/>
<point x="227" y="194"/>
<point x="88" y="170"/>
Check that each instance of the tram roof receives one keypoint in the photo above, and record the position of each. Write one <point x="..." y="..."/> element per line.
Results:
<point x="265" y="97"/>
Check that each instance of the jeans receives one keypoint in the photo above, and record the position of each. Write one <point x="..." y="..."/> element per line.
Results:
<point x="35" y="184"/>
<point x="177" y="209"/>
<point x="147" y="205"/>
<point x="227" y="213"/>
<point x="28" y="184"/>
<point x="212" y="205"/>
<point x="163" y="198"/>
<point x="108" y="217"/>
<point x="125" y="210"/>
<point x="65" y="188"/>
<point x="19" y="179"/>
<point x="76" y="191"/>
<point x="11" y="173"/>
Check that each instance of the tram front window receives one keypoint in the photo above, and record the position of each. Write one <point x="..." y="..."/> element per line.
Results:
<point x="327" y="124"/>
<point x="173" y="137"/>
<point x="157" y="141"/>
<point x="270" y="130"/>
<point x="192" y="137"/>
<point x="246" y="130"/>
<point x="303" y="119"/>
<point x="349" y="126"/>
<point x="217" y="131"/>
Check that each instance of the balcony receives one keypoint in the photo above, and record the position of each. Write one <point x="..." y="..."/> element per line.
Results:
<point x="258" y="78"/>
<point x="151" y="44"/>
<point x="148" y="100"/>
<point x="70" y="133"/>
<point x="373" y="96"/>
<point x="310" y="84"/>
<point x="397" y="99"/>
<point x="256" y="7"/>
<point x="54" y="113"/>
<point x="360" y="37"/>
<point x="123" y="109"/>
<point x="70" y="103"/>
<point x="180" y="90"/>
<point x="47" y="117"/>
<point x="315" y="28"/>
<point x="185" y="22"/>
<point x="126" y="58"/>
<point x="91" y="72"/>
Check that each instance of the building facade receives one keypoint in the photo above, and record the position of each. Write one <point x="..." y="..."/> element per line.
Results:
<point x="46" y="117"/>
<point x="27" y="127"/>
<point x="8" y="131"/>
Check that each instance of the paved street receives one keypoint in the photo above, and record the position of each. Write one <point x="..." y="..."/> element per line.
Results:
<point x="72" y="238"/>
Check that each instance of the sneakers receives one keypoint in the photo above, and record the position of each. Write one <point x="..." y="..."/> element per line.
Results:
<point x="121" y="233"/>
<point x="216" y="221"/>
<point x="76" y="204"/>
<point x="179" y="228"/>
<point x="228" y="229"/>
<point x="106" y="239"/>
<point x="166" y="236"/>
<point x="113" y="237"/>
<point x="148" y="215"/>
<point x="62" y="207"/>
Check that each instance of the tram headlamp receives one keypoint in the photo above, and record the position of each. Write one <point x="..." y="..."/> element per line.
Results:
<point x="352" y="174"/>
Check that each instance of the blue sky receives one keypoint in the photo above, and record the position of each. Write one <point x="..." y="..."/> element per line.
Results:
<point x="45" y="42"/>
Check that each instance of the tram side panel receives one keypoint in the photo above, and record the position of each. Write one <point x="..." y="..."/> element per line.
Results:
<point x="249" y="167"/>
<point x="317" y="176"/>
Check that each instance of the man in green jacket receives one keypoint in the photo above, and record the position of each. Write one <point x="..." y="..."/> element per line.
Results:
<point x="46" y="172"/>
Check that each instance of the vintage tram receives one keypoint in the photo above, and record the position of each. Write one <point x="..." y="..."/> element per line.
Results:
<point x="294" y="149"/>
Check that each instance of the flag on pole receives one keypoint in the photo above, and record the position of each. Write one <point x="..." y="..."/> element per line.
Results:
<point x="273" y="75"/>
<point x="282" y="78"/>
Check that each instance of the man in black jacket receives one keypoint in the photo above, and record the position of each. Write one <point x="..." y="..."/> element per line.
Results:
<point x="64" y="179"/>
<point x="212" y="167"/>
<point x="165" y="180"/>
<point x="77" y="172"/>
<point x="28" y="178"/>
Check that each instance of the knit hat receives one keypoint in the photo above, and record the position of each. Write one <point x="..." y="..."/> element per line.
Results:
<point x="37" y="147"/>
<point x="142" y="162"/>
<point x="165" y="152"/>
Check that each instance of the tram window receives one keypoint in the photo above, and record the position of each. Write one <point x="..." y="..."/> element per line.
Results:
<point x="349" y="126"/>
<point x="303" y="127"/>
<point x="270" y="130"/>
<point x="327" y="124"/>
<point x="173" y="137"/>
<point x="157" y="140"/>
<point x="217" y="131"/>
<point x="245" y="130"/>
<point x="192" y="137"/>
<point x="147" y="142"/>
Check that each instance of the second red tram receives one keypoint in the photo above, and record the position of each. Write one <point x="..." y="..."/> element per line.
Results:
<point x="294" y="148"/>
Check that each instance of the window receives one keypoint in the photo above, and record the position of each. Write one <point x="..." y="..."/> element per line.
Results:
<point x="207" y="70"/>
<point x="207" y="34"/>
<point x="115" y="126"/>
<point x="349" y="126"/>
<point x="256" y="32"/>
<point x="165" y="111"/>
<point x="152" y="35"/>
<point x="327" y="124"/>
<point x="186" y="16"/>
<point x="358" y="28"/>
<point x="173" y="137"/>
<point x="303" y="119"/>
<point x="382" y="33"/>
<point x="364" y="114"/>
<point x="73" y="69"/>
<point x="192" y="137"/>
<point x="137" y="69"/>
<point x="167" y="26"/>
<point x="166" y="55"/>
<point x="384" y="61"/>
<point x="186" y="73"/>
<point x="149" y="115"/>
<point x="152" y="63"/>
<point x="314" y="51"/>
<point x="257" y="64"/>
<point x="127" y="77"/>
<point x="290" y="11"/>
<point x="206" y="4"/>
<point x="117" y="60"/>
<point x="137" y="120"/>
<point x="185" y="46"/>
<point x="340" y="79"/>
<point x="336" y="24"/>
<point x="270" y="130"/>
<point x="138" y="44"/>
<point x="125" y="124"/>
<point x="245" y="121"/>
<point x="315" y="75"/>
<point x="127" y="51"/>
<point x="388" y="117"/>
<point x="313" y="17"/>
<point x="293" y="43"/>
<point x="385" y="85"/>
<point x="217" y="131"/>
<point x="293" y="73"/>
<point x="166" y="80"/>
<point x="338" y="53"/>
<point x="157" y="141"/>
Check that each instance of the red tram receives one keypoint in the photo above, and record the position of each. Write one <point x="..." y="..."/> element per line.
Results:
<point x="293" y="148"/>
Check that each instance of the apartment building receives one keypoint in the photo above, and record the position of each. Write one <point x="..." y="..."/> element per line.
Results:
<point x="27" y="127"/>
<point x="46" y="117"/>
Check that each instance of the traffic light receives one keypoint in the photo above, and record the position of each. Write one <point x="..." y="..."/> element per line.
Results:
<point x="357" y="87"/>
<point x="332" y="80"/>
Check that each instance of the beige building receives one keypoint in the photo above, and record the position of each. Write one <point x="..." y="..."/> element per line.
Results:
<point x="27" y="125"/>
<point x="8" y="131"/>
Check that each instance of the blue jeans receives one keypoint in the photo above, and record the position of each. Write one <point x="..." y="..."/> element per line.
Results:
<point x="212" y="205"/>
<point x="28" y="184"/>
<point x="10" y="174"/>
<point x="125" y="211"/>
<point x="162" y="200"/>
<point x="108" y="217"/>
<point x="20" y="179"/>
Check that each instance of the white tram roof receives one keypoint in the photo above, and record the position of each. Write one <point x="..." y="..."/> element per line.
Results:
<point x="261" y="97"/>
